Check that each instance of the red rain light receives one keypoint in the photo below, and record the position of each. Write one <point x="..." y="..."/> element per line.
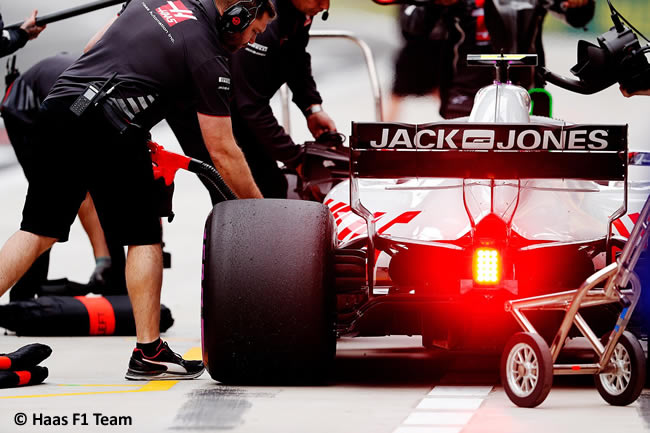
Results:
<point x="486" y="266"/>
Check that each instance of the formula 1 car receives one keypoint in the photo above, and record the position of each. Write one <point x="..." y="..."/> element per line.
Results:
<point x="437" y="226"/>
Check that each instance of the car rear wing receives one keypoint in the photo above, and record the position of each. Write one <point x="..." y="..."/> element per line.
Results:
<point x="484" y="151"/>
<point x="488" y="151"/>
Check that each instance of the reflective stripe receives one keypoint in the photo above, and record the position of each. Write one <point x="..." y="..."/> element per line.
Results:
<point x="133" y="105"/>
<point x="143" y="102"/>
<point x="124" y="108"/>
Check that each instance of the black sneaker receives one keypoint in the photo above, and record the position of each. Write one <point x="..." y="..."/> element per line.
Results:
<point x="164" y="365"/>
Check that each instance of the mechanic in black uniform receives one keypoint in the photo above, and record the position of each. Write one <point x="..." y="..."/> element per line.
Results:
<point x="278" y="56"/>
<point x="469" y="31"/>
<point x="19" y="111"/>
<point x="156" y="54"/>
<point x="12" y="40"/>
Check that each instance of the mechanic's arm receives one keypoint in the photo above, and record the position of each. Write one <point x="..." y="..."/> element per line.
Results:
<point x="305" y="95"/>
<point x="227" y="156"/>
<point x="12" y="40"/>
<point x="97" y="36"/>
<point x="262" y="123"/>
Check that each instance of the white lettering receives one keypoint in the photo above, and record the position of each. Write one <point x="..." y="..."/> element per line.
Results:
<point x="550" y="138"/>
<point x="575" y="140"/>
<point x="442" y="139"/>
<point x="401" y="138"/>
<point x="418" y="139"/>
<point x="594" y="137"/>
<point x="384" y="140"/>
<point x="537" y="139"/>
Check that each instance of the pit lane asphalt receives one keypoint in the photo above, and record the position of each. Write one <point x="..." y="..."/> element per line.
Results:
<point x="378" y="384"/>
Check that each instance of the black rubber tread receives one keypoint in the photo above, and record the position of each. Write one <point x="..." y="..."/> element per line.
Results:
<point x="638" y="373"/>
<point x="545" y="362"/>
<point x="268" y="292"/>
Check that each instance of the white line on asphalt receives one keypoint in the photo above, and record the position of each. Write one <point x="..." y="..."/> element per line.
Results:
<point x="438" y="418"/>
<point x="445" y="409"/>
<point x="437" y="403"/>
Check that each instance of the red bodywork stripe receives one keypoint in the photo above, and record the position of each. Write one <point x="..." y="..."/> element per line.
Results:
<point x="621" y="228"/>
<point x="404" y="218"/>
<point x="100" y="314"/>
<point x="5" y="363"/>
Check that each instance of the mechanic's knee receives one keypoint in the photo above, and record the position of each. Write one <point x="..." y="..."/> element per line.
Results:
<point x="41" y="243"/>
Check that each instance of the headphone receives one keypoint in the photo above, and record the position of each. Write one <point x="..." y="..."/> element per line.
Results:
<point x="238" y="17"/>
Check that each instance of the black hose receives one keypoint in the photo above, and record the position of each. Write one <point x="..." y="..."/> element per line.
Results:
<point x="576" y="86"/>
<point x="211" y="174"/>
<point x="68" y="13"/>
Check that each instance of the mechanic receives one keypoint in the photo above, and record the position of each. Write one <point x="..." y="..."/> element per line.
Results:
<point x="102" y="108"/>
<point x="19" y="110"/>
<point x="278" y="56"/>
<point x="14" y="39"/>
<point x="468" y="32"/>
<point x="417" y="64"/>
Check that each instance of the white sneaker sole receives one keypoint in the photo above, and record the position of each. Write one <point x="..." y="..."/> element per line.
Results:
<point x="162" y="376"/>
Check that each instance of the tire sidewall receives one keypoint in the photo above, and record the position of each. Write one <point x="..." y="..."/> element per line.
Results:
<point x="637" y="377"/>
<point x="545" y="366"/>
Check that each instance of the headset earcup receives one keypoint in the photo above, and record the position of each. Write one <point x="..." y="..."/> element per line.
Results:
<point x="235" y="19"/>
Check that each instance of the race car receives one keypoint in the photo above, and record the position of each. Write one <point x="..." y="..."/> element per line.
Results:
<point x="435" y="228"/>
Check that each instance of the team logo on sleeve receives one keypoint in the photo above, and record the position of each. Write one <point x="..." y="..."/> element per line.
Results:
<point x="175" y="12"/>
<point x="224" y="83"/>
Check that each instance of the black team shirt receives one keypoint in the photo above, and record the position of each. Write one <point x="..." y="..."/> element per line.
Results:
<point x="278" y="56"/>
<point x="164" y="53"/>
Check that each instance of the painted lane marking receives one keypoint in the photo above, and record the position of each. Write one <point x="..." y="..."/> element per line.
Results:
<point x="438" y="418"/>
<point x="194" y="354"/>
<point x="445" y="409"/>
<point x="154" y="385"/>
<point x="433" y="403"/>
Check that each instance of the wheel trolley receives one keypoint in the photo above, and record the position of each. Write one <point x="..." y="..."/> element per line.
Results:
<point x="528" y="364"/>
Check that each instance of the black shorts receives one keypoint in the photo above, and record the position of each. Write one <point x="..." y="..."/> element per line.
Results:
<point x="76" y="155"/>
<point x="418" y="67"/>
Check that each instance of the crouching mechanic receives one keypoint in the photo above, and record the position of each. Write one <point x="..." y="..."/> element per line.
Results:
<point x="176" y="56"/>
<point x="277" y="57"/>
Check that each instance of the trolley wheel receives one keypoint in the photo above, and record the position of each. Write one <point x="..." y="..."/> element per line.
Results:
<point x="624" y="385"/>
<point x="527" y="369"/>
